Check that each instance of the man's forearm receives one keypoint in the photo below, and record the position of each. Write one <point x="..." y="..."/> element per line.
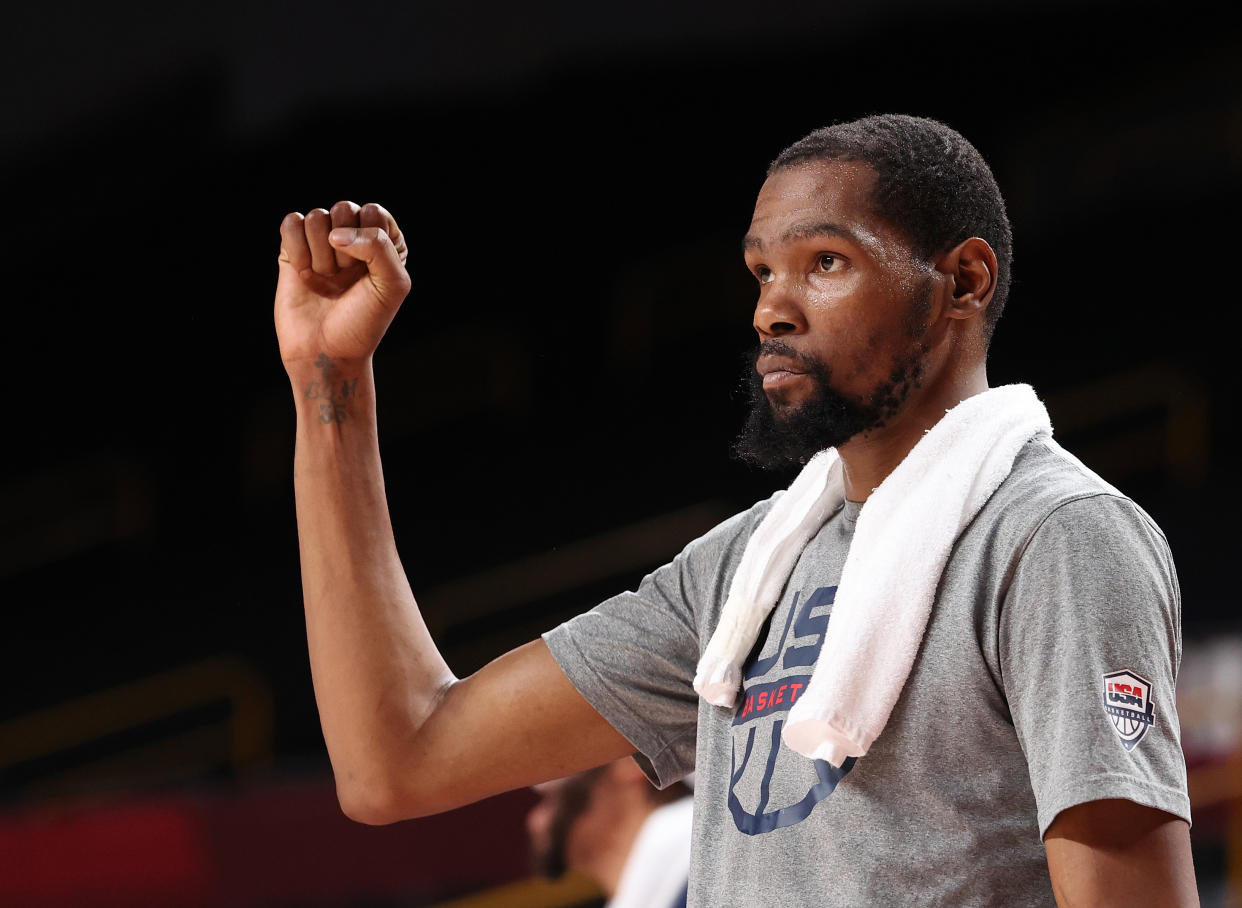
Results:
<point x="406" y="739"/>
<point x="377" y="672"/>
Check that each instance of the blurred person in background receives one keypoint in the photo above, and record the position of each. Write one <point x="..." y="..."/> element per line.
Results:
<point x="613" y="826"/>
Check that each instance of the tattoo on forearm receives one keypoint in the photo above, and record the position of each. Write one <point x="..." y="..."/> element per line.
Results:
<point x="335" y="396"/>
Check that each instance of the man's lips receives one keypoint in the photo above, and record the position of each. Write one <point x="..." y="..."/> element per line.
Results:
<point x="777" y="370"/>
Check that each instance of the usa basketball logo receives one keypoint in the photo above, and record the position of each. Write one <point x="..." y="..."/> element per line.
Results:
<point x="1127" y="700"/>
<point x="771" y="787"/>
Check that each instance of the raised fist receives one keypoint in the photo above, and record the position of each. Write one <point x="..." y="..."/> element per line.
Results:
<point x="342" y="278"/>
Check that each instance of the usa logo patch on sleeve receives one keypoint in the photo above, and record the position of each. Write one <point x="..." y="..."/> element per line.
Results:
<point x="1127" y="700"/>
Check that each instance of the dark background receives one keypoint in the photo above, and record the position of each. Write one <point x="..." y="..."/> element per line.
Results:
<point x="574" y="182"/>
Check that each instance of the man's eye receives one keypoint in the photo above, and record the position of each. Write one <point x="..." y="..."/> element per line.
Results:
<point x="764" y="274"/>
<point x="826" y="262"/>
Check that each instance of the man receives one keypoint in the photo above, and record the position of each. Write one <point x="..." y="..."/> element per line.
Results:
<point x="881" y="250"/>
<point x="611" y="825"/>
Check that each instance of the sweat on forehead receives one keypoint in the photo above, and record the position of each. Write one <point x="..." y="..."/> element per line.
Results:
<point x="803" y="231"/>
<point x="826" y="200"/>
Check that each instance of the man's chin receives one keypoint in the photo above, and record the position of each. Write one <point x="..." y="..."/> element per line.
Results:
<point x="784" y="399"/>
<point x="777" y="437"/>
<point x="793" y="419"/>
<point x="548" y="864"/>
<point x="784" y="412"/>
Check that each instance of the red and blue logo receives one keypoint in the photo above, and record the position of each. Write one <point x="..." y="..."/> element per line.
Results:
<point x="770" y="786"/>
<point x="1127" y="700"/>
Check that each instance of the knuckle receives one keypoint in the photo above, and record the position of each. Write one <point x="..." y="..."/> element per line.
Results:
<point x="399" y="283"/>
<point x="344" y="207"/>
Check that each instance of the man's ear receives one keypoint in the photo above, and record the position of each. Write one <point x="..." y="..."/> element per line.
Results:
<point x="970" y="269"/>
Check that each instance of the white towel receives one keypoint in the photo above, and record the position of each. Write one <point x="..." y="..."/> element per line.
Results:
<point x="900" y="546"/>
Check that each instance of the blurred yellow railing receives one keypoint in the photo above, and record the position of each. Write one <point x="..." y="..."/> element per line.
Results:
<point x="567" y="892"/>
<point x="242" y="740"/>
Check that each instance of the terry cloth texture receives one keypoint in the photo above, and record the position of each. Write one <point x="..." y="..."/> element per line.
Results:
<point x="1058" y="582"/>
<point x="889" y="579"/>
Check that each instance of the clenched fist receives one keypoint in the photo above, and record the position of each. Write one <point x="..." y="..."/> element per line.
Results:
<point x="342" y="278"/>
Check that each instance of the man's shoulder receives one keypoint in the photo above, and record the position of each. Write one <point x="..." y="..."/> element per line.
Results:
<point x="1045" y="477"/>
<point x="725" y="541"/>
<point x="1047" y="481"/>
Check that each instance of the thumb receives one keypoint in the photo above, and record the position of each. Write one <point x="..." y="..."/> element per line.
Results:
<point x="373" y="246"/>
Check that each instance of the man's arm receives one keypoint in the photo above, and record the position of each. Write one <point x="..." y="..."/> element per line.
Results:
<point x="1095" y="596"/>
<point x="405" y="737"/>
<point x="1117" y="852"/>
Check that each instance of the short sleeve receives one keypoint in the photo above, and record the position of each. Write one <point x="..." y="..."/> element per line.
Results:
<point x="633" y="657"/>
<point x="1090" y="643"/>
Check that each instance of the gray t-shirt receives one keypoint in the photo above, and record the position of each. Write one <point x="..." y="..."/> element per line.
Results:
<point x="1045" y="679"/>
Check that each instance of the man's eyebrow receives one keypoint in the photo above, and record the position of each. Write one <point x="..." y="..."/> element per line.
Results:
<point x="803" y="232"/>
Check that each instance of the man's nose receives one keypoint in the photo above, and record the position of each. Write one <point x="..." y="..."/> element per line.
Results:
<point x="537" y="819"/>
<point x="779" y="311"/>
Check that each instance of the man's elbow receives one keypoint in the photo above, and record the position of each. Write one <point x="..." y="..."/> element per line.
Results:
<point x="381" y="804"/>
<point x="394" y="779"/>
<point x="366" y="807"/>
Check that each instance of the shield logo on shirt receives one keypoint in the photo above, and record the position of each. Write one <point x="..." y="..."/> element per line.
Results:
<point x="1127" y="700"/>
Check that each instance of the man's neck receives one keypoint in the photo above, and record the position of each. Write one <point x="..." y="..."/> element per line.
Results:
<point x="868" y="458"/>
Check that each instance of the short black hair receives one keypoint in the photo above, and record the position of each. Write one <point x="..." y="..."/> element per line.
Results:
<point x="930" y="183"/>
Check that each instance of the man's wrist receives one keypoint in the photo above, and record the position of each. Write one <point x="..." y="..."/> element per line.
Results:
<point x="328" y="390"/>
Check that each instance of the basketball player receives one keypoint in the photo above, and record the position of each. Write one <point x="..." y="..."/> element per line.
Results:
<point x="881" y="253"/>
<point x="611" y="825"/>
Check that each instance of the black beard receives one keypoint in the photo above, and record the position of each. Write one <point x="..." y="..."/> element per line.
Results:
<point x="551" y="860"/>
<point x="826" y="419"/>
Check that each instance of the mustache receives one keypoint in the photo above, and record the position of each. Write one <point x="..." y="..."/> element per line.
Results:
<point x="774" y="346"/>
